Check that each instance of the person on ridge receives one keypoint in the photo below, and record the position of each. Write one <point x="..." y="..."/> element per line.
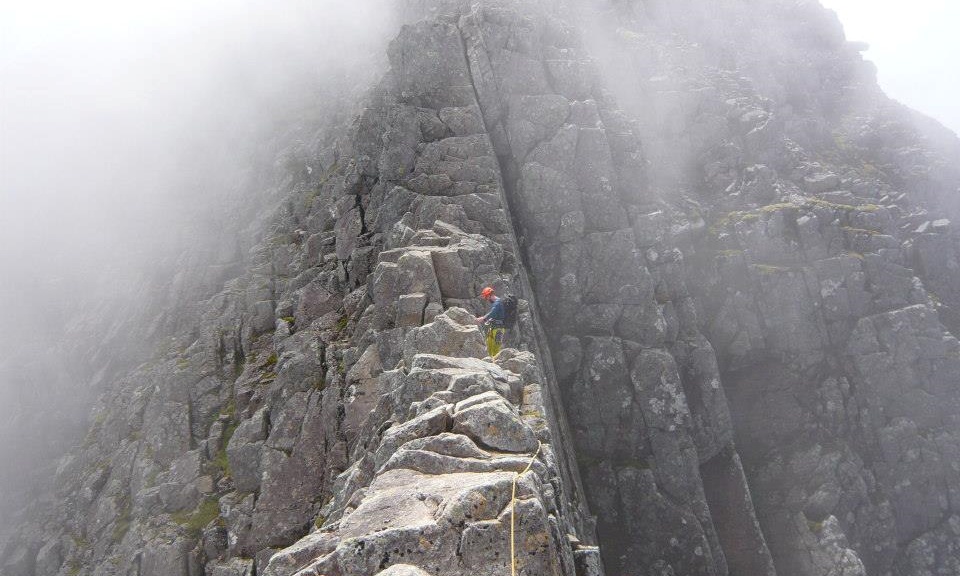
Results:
<point x="493" y="320"/>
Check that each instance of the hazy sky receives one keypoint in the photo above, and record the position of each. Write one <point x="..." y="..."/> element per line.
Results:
<point x="916" y="48"/>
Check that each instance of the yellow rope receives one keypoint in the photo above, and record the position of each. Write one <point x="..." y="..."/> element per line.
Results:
<point x="513" y="507"/>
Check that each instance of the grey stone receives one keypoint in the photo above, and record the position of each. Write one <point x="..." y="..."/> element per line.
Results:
<point x="166" y="558"/>
<point x="588" y="561"/>
<point x="493" y="422"/>
<point x="410" y="308"/>
<point x="821" y="182"/>
<point x="315" y="300"/>
<point x="462" y="121"/>
<point x="237" y="513"/>
<point x="244" y="452"/>
<point x="432" y="423"/>
<point x="453" y="333"/>
<point x="235" y="567"/>
<point x="348" y="228"/>
<point x="214" y="541"/>
<point x="186" y="468"/>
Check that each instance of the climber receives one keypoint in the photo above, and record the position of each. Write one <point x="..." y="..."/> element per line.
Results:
<point x="493" y="321"/>
<point x="502" y="315"/>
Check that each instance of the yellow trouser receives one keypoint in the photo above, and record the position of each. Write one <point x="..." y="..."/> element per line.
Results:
<point x="494" y="340"/>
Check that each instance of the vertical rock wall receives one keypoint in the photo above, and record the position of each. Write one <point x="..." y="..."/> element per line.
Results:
<point x="833" y="322"/>
<point x="647" y="408"/>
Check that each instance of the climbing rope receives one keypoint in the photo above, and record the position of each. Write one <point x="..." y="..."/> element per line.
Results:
<point x="513" y="513"/>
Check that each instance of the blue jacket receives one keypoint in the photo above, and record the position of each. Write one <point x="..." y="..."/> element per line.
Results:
<point x="497" y="314"/>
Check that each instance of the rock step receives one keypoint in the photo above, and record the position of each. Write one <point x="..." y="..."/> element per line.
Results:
<point x="456" y="443"/>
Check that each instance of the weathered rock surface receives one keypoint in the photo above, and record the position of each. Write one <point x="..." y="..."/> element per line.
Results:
<point x="736" y="352"/>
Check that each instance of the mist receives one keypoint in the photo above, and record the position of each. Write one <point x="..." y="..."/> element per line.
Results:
<point x="116" y="118"/>
<point x="130" y="132"/>
<point x="242" y="249"/>
<point x="913" y="50"/>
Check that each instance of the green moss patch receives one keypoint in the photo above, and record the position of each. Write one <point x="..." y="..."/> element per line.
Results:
<point x="122" y="525"/>
<point x="220" y="460"/>
<point x="195" y="521"/>
<point x="767" y="269"/>
<point x="866" y="231"/>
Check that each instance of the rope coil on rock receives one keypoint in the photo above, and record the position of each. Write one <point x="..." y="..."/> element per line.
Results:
<point x="513" y="512"/>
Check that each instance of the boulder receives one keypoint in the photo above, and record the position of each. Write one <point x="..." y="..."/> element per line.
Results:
<point x="316" y="299"/>
<point x="453" y="333"/>
<point x="492" y="421"/>
<point x="821" y="182"/>
<point x="410" y="308"/>
<point x="235" y="567"/>
<point x="432" y="423"/>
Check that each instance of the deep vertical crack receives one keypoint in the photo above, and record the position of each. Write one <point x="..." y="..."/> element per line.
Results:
<point x="508" y="173"/>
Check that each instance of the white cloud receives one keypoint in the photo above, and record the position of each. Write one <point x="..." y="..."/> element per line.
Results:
<point x="916" y="49"/>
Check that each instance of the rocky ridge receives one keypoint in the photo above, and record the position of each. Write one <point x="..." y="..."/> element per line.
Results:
<point x="756" y="361"/>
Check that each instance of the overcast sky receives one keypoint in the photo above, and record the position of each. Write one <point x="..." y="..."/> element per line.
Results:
<point x="916" y="47"/>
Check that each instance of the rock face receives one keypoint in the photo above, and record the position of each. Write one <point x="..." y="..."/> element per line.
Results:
<point x="736" y="353"/>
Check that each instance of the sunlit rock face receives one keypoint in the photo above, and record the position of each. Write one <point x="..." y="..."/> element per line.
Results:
<point x="736" y="351"/>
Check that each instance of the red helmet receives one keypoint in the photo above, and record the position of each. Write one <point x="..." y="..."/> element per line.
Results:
<point x="487" y="292"/>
